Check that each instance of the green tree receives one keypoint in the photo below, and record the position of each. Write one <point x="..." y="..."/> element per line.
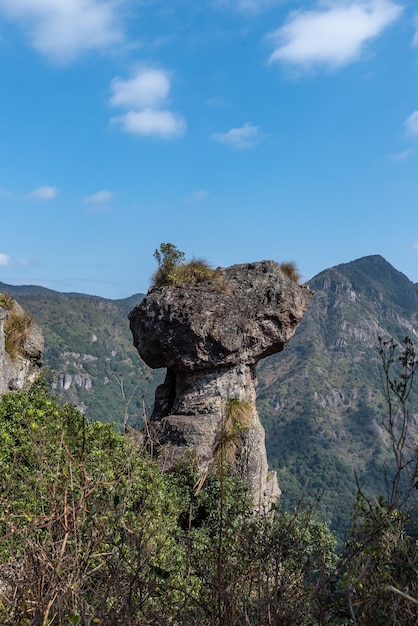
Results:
<point x="168" y="258"/>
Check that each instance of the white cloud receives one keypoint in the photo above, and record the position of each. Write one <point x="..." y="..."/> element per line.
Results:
<point x="100" y="197"/>
<point x="415" y="246"/>
<point x="62" y="29"/>
<point x="245" y="137"/>
<point x="4" y="259"/>
<point x="164" y="124"/>
<point x="44" y="193"/>
<point x="333" y="35"/>
<point x="411" y="124"/>
<point x="149" y="88"/>
<point x="145" y="94"/>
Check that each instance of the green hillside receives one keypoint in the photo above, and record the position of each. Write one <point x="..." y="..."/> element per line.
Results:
<point x="321" y="400"/>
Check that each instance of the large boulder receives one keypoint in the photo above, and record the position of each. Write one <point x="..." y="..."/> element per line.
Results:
<point x="251" y="315"/>
<point x="210" y="337"/>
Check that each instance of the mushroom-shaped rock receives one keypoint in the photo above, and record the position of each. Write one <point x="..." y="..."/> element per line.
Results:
<point x="251" y="315"/>
<point x="209" y="336"/>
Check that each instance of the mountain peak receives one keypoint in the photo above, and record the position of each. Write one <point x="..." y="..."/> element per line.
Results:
<point x="373" y="264"/>
<point x="371" y="276"/>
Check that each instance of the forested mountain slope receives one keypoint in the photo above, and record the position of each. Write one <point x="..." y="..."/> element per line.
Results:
<point x="321" y="399"/>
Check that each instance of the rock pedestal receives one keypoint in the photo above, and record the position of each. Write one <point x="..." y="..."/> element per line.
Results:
<point x="210" y="337"/>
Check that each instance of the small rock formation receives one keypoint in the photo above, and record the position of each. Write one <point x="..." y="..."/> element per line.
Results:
<point x="23" y="367"/>
<point x="210" y="338"/>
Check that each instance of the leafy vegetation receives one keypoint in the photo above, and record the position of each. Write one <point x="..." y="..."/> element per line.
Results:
<point x="91" y="531"/>
<point x="87" y="525"/>
<point x="168" y="258"/>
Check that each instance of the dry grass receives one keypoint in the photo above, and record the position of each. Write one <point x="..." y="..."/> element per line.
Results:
<point x="238" y="416"/>
<point x="194" y="272"/>
<point x="238" y="412"/>
<point x="291" y="271"/>
<point x="16" y="329"/>
<point x="6" y="301"/>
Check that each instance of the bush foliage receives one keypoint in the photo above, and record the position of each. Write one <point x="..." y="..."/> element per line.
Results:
<point x="91" y="532"/>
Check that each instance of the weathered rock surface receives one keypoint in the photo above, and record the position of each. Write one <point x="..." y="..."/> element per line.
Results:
<point x="210" y="340"/>
<point x="20" y="371"/>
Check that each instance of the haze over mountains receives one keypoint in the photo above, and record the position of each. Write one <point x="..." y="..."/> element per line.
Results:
<point x="320" y="400"/>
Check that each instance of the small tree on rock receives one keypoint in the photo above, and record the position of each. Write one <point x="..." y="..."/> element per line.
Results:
<point x="168" y="258"/>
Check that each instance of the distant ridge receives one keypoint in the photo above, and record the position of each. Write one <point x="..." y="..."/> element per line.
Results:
<point x="29" y="290"/>
<point x="36" y="290"/>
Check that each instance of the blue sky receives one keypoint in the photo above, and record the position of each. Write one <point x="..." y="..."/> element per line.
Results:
<point x="239" y="130"/>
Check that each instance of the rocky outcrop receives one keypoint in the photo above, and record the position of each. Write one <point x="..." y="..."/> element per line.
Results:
<point x="22" y="367"/>
<point x="210" y="337"/>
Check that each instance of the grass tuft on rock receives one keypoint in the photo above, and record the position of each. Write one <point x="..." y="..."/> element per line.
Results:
<point x="291" y="271"/>
<point x="238" y="417"/>
<point x="16" y="328"/>
<point x="6" y="301"/>
<point x="195" y="272"/>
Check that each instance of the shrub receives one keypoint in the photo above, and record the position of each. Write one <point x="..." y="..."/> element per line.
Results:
<point x="168" y="258"/>
<point x="92" y="532"/>
<point x="88" y="527"/>
<point x="377" y="577"/>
